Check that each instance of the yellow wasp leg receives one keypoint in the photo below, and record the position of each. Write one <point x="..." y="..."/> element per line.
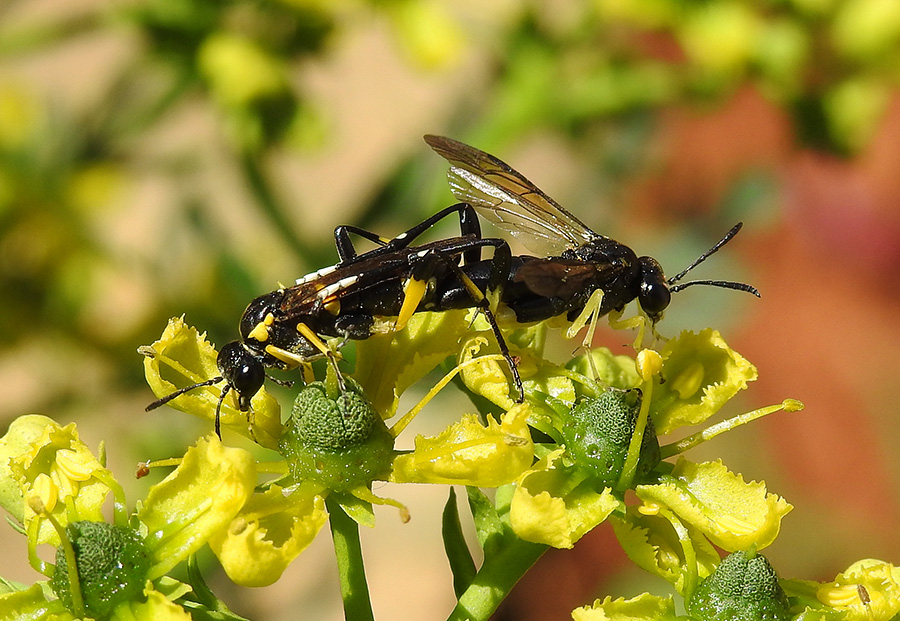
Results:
<point x="323" y="347"/>
<point x="638" y="321"/>
<point x="295" y="360"/>
<point x="588" y="316"/>
<point x="589" y="312"/>
<point x="413" y="292"/>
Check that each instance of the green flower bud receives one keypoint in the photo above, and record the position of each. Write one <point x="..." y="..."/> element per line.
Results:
<point x="338" y="440"/>
<point x="744" y="587"/>
<point x="600" y="432"/>
<point x="112" y="567"/>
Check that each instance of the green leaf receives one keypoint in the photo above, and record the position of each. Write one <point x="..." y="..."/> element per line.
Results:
<point x="462" y="566"/>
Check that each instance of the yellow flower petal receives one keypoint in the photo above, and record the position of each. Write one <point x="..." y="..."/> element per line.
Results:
<point x="388" y="364"/>
<point x="32" y="449"/>
<point x="733" y="514"/>
<point x="469" y="453"/>
<point x="32" y="603"/>
<point x="269" y="533"/>
<point x="701" y="374"/>
<point x="552" y="506"/>
<point x="182" y="357"/>
<point x="156" y="607"/>
<point x="488" y="378"/>
<point x="200" y="498"/>
<point x="652" y="544"/>
<point x="644" y="607"/>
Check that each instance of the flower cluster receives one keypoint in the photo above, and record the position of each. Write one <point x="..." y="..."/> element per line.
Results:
<point x="586" y="445"/>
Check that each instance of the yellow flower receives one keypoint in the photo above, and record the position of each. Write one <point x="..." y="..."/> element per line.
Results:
<point x="41" y="460"/>
<point x="104" y="570"/>
<point x="733" y="514"/>
<point x="469" y="453"/>
<point x="645" y="606"/>
<point x="270" y="531"/>
<point x="701" y="374"/>
<point x="182" y="356"/>
<point x="197" y="500"/>
<point x="556" y="505"/>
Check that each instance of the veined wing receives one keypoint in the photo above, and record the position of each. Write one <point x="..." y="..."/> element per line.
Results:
<point x="508" y="199"/>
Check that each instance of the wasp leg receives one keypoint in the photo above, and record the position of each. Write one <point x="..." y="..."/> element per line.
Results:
<point x="588" y="316"/>
<point x="638" y="321"/>
<point x="487" y="302"/>
<point x="323" y="347"/>
<point x="468" y="225"/>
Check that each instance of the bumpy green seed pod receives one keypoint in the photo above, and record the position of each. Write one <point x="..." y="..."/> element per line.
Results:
<point x="336" y="438"/>
<point x="112" y="567"/>
<point x="601" y="430"/>
<point x="744" y="587"/>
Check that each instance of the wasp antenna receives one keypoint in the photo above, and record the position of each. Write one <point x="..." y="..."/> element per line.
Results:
<point x="725" y="284"/>
<point x="181" y="391"/>
<point x="219" y="410"/>
<point x="703" y="257"/>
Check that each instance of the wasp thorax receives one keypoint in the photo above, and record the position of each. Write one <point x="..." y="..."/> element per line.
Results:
<point x="258" y="311"/>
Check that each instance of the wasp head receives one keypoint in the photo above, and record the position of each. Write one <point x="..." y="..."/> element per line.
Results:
<point x="654" y="295"/>
<point x="242" y="371"/>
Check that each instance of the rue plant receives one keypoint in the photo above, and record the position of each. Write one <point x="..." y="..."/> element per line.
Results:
<point x="589" y="444"/>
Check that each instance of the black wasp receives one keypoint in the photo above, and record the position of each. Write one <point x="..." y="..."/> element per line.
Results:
<point x="364" y="294"/>
<point x="582" y="262"/>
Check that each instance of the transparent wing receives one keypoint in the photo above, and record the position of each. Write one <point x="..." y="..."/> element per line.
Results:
<point x="509" y="200"/>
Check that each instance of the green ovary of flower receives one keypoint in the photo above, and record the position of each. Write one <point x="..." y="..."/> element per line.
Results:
<point x="112" y="565"/>
<point x="600" y="432"/>
<point x="744" y="587"/>
<point x="336" y="438"/>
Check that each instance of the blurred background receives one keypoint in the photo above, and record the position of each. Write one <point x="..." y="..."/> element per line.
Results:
<point x="169" y="157"/>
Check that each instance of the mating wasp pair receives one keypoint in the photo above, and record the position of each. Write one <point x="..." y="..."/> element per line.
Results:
<point x="580" y="272"/>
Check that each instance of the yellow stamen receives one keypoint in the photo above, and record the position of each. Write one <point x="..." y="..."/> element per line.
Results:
<point x="688" y="382"/>
<point x="43" y="491"/>
<point x="73" y="467"/>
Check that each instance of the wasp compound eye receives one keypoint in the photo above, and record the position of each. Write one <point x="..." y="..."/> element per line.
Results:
<point x="242" y="371"/>
<point x="654" y="295"/>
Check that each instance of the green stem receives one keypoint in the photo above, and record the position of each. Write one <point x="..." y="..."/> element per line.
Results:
<point x="354" y="590"/>
<point x="495" y="580"/>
